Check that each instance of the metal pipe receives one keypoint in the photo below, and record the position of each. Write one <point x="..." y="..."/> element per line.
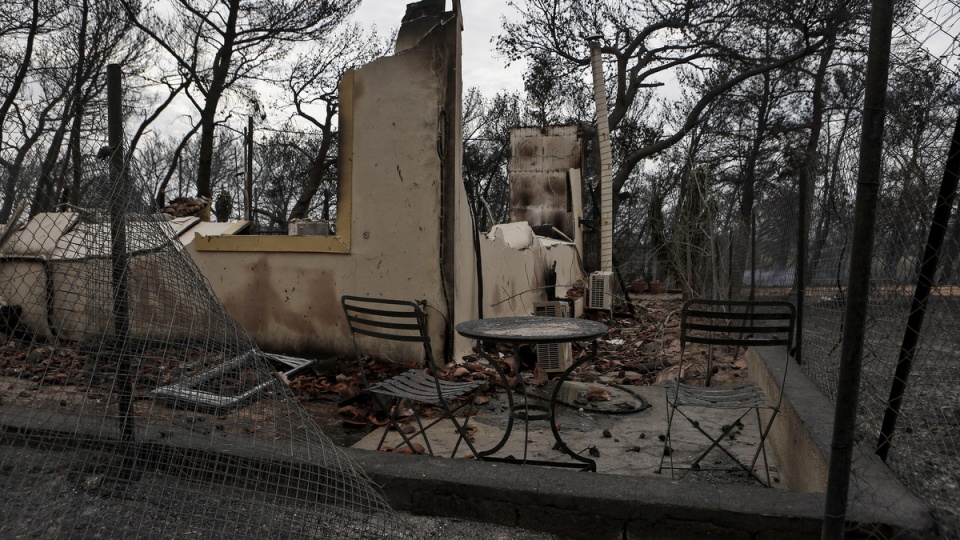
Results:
<point x="861" y="256"/>
<point x="918" y="307"/>
<point x="118" y="251"/>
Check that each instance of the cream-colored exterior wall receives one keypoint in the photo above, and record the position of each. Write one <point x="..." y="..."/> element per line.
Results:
<point x="394" y="112"/>
<point x="57" y="269"/>
<point x="25" y="274"/>
<point x="515" y="265"/>
<point x="41" y="235"/>
<point x="23" y="283"/>
<point x="404" y="231"/>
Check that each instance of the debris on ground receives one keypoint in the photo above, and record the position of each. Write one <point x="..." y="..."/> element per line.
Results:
<point x="640" y="348"/>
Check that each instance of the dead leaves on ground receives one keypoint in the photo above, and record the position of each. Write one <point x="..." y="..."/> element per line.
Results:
<point x="598" y="394"/>
<point x="641" y="347"/>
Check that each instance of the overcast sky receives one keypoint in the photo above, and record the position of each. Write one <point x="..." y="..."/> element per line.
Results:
<point x="481" y="22"/>
<point x="481" y="66"/>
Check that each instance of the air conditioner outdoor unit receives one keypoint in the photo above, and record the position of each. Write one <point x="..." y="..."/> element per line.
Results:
<point x="308" y="228"/>
<point x="600" y="291"/>
<point x="553" y="357"/>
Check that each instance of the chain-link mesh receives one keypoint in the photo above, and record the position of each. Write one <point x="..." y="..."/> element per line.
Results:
<point x="709" y="249"/>
<point x="925" y="443"/>
<point x="134" y="406"/>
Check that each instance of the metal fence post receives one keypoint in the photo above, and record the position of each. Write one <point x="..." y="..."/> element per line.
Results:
<point x="861" y="257"/>
<point x="925" y="279"/>
<point x="118" y="251"/>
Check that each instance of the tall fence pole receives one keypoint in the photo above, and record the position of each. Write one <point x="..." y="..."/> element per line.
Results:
<point x="861" y="257"/>
<point x="925" y="279"/>
<point x="248" y="171"/>
<point x="801" y="275"/>
<point x="118" y="251"/>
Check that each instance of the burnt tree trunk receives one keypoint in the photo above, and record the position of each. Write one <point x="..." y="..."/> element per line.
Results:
<point x="218" y="83"/>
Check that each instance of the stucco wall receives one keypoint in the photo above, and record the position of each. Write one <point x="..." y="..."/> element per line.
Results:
<point x="515" y="265"/>
<point x="393" y="113"/>
<point x="542" y="191"/>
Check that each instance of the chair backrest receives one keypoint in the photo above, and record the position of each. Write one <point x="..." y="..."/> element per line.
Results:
<point x="393" y="320"/>
<point x="738" y="322"/>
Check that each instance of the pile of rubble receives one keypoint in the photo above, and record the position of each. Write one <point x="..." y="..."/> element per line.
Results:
<point x="187" y="206"/>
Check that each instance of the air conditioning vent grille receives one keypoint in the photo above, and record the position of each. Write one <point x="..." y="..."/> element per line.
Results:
<point x="599" y="293"/>
<point x="553" y="357"/>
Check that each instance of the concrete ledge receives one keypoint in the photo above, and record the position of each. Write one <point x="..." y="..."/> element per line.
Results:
<point x="801" y="438"/>
<point x="584" y="505"/>
<point x="801" y="435"/>
<point x="576" y="504"/>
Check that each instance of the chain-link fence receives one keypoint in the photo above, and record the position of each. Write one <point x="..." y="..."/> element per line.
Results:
<point x="923" y="444"/>
<point x="709" y="246"/>
<point x="133" y="405"/>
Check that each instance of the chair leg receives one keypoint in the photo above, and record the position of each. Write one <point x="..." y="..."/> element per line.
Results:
<point x="422" y="431"/>
<point x="394" y="413"/>
<point x="762" y="449"/>
<point x="447" y="413"/>
<point x="764" y="431"/>
<point x="407" y="440"/>
<point x="667" y="440"/>
<point x="391" y="421"/>
<point x="462" y="430"/>
<point x="392" y="409"/>
<point x="717" y="443"/>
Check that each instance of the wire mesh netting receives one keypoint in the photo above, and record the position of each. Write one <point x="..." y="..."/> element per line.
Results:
<point x="924" y="454"/>
<point x="924" y="445"/>
<point x="710" y="243"/>
<point x="134" y="406"/>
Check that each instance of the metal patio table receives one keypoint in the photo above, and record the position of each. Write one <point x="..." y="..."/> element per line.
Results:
<point x="531" y="330"/>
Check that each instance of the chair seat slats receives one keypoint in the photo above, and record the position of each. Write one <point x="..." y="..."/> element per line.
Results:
<point x="420" y="386"/>
<point x="405" y="321"/>
<point x="743" y="396"/>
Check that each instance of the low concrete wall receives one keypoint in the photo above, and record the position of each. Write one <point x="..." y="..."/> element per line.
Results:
<point x="585" y="505"/>
<point x="801" y="438"/>
<point x="803" y="426"/>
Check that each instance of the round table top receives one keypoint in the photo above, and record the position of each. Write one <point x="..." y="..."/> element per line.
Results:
<point x="531" y="329"/>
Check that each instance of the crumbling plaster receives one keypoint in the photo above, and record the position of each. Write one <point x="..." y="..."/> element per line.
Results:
<point x="409" y="233"/>
<point x="516" y="262"/>
<point x="405" y="231"/>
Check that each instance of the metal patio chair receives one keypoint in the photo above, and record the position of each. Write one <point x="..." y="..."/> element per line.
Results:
<point x="736" y="324"/>
<point x="404" y="321"/>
